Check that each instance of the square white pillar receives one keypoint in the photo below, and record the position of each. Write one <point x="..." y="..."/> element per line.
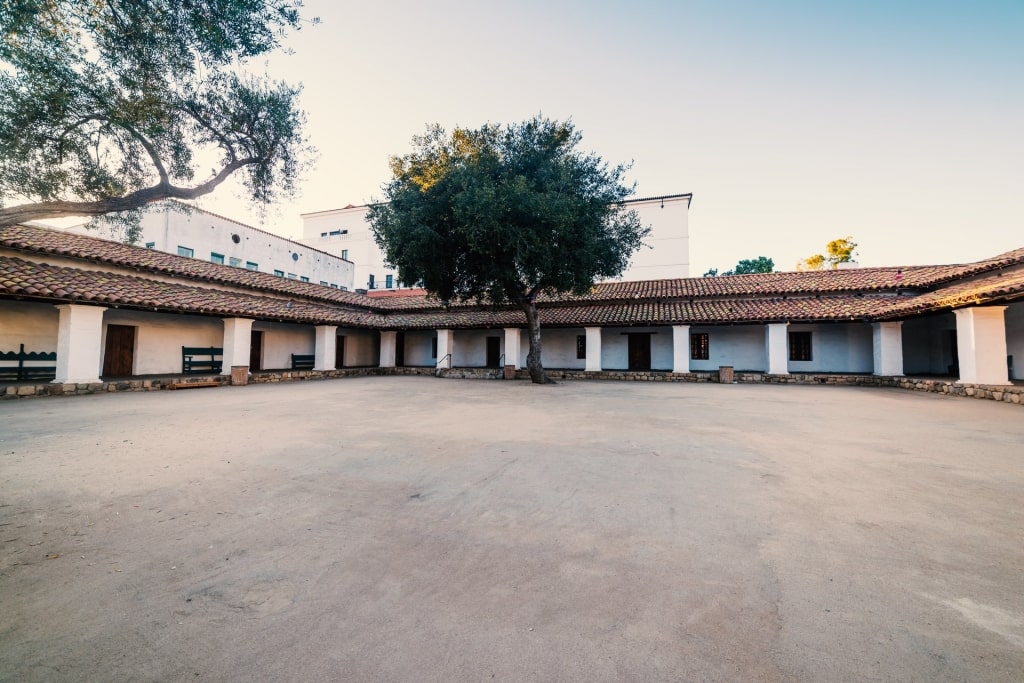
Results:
<point x="776" y="342"/>
<point x="680" y="348"/>
<point x="326" y="344"/>
<point x="445" y="348"/>
<point x="388" y="346"/>
<point x="981" y="345"/>
<point x="237" y="343"/>
<point x="79" y="343"/>
<point x="512" y="346"/>
<point x="887" y="347"/>
<point x="593" y="349"/>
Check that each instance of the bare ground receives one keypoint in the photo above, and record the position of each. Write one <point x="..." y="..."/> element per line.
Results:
<point x="415" y="529"/>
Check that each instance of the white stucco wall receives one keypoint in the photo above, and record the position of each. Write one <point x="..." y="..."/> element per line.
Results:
<point x="28" y="323"/>
<point x="281" y="340"/>
<point x="740" y="346"/>
<point x="1015" y="338"/>
<point x="927" y="349"/>
<point x="558" y="348"/>
<point x="356" y="239"/>
<point x="362" y="347"/>
<point x="841" y="347"/>
<point x="159" y="337"/>
<point x="615" y="347"/>
<point x="668" y="252"/>
<point x="418" y="346"/>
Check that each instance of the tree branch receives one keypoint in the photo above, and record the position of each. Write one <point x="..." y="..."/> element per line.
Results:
<point x="59" y="208"/>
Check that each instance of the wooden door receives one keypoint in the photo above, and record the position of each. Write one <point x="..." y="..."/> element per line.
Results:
<point x="493" y="351"/>
<point x="119" y="351"/>
<point x="640" y="351"/>
<point x="256" y="351"/>
<point x="953" y="367"/>
<point x="399" y="348"/>
<point x="339" y="351"/>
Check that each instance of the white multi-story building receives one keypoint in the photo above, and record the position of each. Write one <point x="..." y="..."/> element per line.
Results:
<point x="345" y="233"/>
<point x="203" y="235"/>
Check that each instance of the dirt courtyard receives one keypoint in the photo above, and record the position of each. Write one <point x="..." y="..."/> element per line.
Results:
<point x="421" y="529"/>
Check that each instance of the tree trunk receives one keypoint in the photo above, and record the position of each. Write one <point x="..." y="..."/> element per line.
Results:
<point x="533" y="364"/>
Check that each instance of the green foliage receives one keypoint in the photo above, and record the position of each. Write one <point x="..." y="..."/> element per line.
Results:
<point x="762" y="264"/>
<point x="710" y="272"/>
<point x="108" y="106"/>
<point x="841" y="250"/>
<point x="503" y="213"/>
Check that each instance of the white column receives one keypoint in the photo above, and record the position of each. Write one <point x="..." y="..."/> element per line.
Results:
<point x="237" y="343"/>
<point x="388" y="345"/>
<point x="326" y="344"/>
<point x="512" y="346"/>
<point x="79" y="343"/>
<point x="776" y="343"/>
<point x="445" y="348"/>
<point x="981" y="345"/>
<point x="593" y="349"/>
<point x="680" y="348"/>
<point x="887" y="346"/>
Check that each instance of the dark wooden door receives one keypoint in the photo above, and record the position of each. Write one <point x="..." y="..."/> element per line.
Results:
<point x="493" y="351"/>
<point x="400" y="349"/>
<point x="954" y="358"/>
<point x="339" y="351"/>
<point x="256" y="351"/>
<point x="119" y="352"/>
<point x="640" y="351"/>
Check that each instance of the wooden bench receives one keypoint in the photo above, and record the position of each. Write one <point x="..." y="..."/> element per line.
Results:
<point x="27" y="373"/>
<point x="201" y="360"/>
<point x="303" y="361"/>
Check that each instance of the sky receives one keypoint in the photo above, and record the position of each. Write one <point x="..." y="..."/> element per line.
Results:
<point x="898" y="123"/>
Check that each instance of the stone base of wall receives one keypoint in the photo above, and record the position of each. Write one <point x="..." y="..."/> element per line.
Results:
<point x="1006" y="394"/>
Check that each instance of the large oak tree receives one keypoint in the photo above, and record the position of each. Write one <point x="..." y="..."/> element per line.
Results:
<point x="109" y="105"/>
<point x="504" y="213"/>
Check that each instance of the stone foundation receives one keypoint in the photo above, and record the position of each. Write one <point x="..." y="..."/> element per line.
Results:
<point x="1006" y="394"/>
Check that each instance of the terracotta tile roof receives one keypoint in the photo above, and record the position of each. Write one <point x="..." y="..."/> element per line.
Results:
<point x="26" y="279"/>
<point x="47" y="241"/>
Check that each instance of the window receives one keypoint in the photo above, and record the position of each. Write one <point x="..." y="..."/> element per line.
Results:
<point x="150" y="245"/>
<point x="389" y="280"/>
<point x="372" y="283"/>
<point x="304" y="278"/>
<point x="323" y="234"/>
<point x="335" y="233"/>
<point x="700" y="349"/>
<point x="334" y="285"/>
<point x="292" y="276"/>
<point x="249" y="265"/>
<point x="581" y="346"/>
<point x="323" y="282"/>
<point x="279" y="273"/>
<point x="800" y="346"/>
<point x="236" y="262"/>
<point x="433" y="347"/>
<point x="344" y="254"/>
<point x="185" y="251"/>
<point x="216" y="258"/>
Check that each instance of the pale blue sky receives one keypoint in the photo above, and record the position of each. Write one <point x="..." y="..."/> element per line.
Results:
<point x="792" y="123"/>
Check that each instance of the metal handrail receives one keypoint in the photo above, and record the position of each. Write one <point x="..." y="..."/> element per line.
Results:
<point x="447" y="355"/>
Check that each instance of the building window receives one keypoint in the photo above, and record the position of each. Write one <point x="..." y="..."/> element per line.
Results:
<point x="150" y="245"/>
<point x="344" y="254"/>
<point x="800" y="346"/>
<point x="334" y="285"/>
<point x="236" y="262"/>
<point x="185" y="251"/>
<point x="433" y="347"/>
<point x="335" y="233"/>
<point x="389" y="280"/>
<point x="249" y="265"/>
<point x="372" y="283"/>
<point x="304" y="278"/>
<point x="323" y="282"/>
<point x="581" y="346"/>
<point x="279" y="273"/>
<point x="700" y="348"/>
<point x="216" y="258"/>
<point x="323" y="234"/>
<point x="292" y="276"/>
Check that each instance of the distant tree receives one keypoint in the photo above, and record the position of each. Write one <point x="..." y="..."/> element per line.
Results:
<point x="504" y="213"/>
<point x="762" y="264"/>
<point x="841" y="250"/>
<point x="109" y="106"/>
